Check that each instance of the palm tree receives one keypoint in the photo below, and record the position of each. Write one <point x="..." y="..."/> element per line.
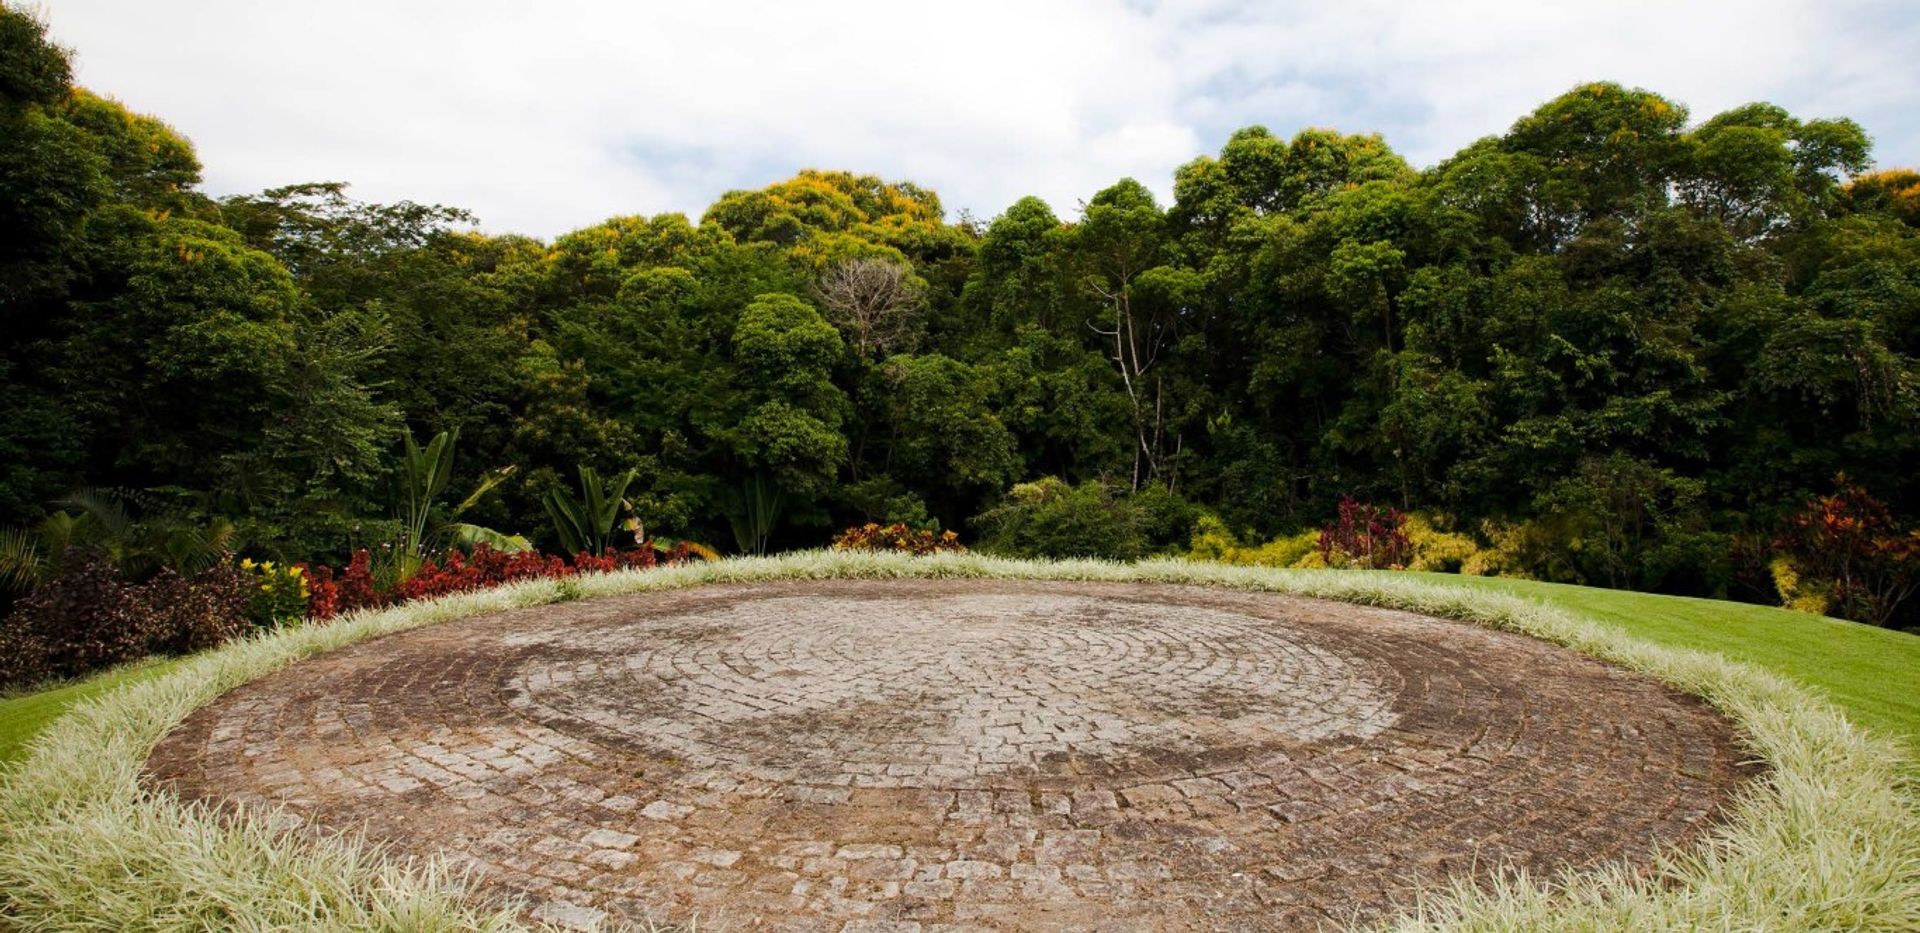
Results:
<point x="99" y="519"/>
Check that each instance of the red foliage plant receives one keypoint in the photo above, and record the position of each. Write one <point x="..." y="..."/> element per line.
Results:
<point x="88" y="618"/>
<point x="897" y="537"/>
<point x="457" y="572"/>
<point x="1366" y="536"/>
<point x="1848" y="542"/>
<point x="328" y="596"/>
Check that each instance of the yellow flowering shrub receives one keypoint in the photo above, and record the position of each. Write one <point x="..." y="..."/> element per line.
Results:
<point x="277" y="593"/>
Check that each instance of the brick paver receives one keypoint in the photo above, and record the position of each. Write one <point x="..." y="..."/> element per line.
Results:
<point x="941" y="755"/>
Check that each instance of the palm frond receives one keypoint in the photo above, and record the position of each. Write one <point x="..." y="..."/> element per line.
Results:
<point x="487" y="484"/>
<point x="105" y="507"/>
<point x="21" y="561"/>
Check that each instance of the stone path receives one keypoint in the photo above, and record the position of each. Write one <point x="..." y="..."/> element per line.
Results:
<point x="939" y="755"/>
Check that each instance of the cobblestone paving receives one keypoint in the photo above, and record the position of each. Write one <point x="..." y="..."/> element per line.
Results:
<point x="967" y="755"/>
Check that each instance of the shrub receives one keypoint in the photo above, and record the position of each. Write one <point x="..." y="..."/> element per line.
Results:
<point x="83" y="618"/>
<point x="275" y="594"/>
<point x="1844" y="550"/>
<point x="1366" y="536"/>
<point x="1624" y="523"/>
<point x="1794" y="593"/>
<point x="1515" y="549"/>
<point x="354" y="588"/>
<point x="189" y="614"/>
<point x="1167" y="519"/>
<point x="460" y="572"/>
<point x="1437" y="550"/>
<point x="897" y="537"/>
<point x="1213" y="540"/>
<point x="87" y="618"/>
<point x="1049" y="518"/>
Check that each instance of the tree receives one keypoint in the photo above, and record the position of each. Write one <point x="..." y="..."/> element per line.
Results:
<point x="1118" y="243"/>
<point x="875" y="303"/>
<point x="788" y="417"/>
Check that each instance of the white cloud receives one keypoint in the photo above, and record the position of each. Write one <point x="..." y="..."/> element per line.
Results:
<point x="545" y="117"/>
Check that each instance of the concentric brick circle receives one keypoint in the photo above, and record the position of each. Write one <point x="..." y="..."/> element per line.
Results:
<point x="958" y="691"/>
<point x="882" y="755"/>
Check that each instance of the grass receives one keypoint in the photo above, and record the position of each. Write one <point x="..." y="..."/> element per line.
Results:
<point x="1873" y="674"/>
<point x="1829" y="839"/>
<point x="23" y="716"/>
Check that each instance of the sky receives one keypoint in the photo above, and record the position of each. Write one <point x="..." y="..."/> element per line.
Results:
<point x="543" y="117"/>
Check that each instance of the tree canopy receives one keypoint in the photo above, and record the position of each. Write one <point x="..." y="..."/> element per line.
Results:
<point x="1609" y="303"/>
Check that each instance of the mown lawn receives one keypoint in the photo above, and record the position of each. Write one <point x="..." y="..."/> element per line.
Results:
<point x="1873" y="674"/>
<point x="22" y="717"/>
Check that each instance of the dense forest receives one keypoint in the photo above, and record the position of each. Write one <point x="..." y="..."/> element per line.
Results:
<point x="1616" y="345"/>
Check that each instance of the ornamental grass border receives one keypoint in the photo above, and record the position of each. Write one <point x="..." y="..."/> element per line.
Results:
<point x="1828" y="838"/>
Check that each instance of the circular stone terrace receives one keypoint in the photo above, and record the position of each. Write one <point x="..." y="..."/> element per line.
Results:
<point x="968" y="754"/>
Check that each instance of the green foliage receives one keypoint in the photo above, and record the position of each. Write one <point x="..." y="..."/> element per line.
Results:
<point x="423" y="474"/>
<point x="1605" y="343"/>
<point x="586" y="524"/>
<point x="1049" y="518"/>
<point x="421" y="478"/>
<point x="754" y="512"/>
<point x="276" y="594"/>
<point x="99" y="524"/>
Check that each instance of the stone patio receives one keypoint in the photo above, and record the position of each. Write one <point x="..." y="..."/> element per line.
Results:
<point x="933" y="755"/>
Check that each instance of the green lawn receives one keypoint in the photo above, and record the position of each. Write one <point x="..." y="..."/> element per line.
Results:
<point x="22" y="717"/>
<point x="1873" y="674"/>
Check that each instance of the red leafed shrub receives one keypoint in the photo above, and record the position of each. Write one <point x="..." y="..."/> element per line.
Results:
<point x="329" y="594"/>
<point x="1847" y="548"/>
<point x="1366" y="536"/>
<point x="323" y="592"/>
<point x="88" y="618"/>
<point x="459" y="572"/>
<point x="897" y="537"/>
<point x="357" y="587"/>
<point x="485" y="568"/>
<point x="197" y="613"/>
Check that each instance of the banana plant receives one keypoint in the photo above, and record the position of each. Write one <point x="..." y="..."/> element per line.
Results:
<point x="587" y="524"/>
<point x="424" y="474"/>
<point x="423" y="477"/>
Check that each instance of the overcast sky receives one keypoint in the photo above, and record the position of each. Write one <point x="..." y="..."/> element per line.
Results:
<point x="543" y="116"/>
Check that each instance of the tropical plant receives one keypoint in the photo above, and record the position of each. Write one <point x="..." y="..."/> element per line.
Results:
<point x="587" y="524"/>
<point x="755" y="511"/>
<point x="873" y="536"/>
<point x="99" y="521"/>
<point x="1367" y="536"/>
<point x="1848" y="551"/>
<point x="87" y="616"/>
<point x="423" y="477"/>
<point x="276" y="593"/>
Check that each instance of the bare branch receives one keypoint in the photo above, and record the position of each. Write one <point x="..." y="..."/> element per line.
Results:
<point x="876" y="303"/>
